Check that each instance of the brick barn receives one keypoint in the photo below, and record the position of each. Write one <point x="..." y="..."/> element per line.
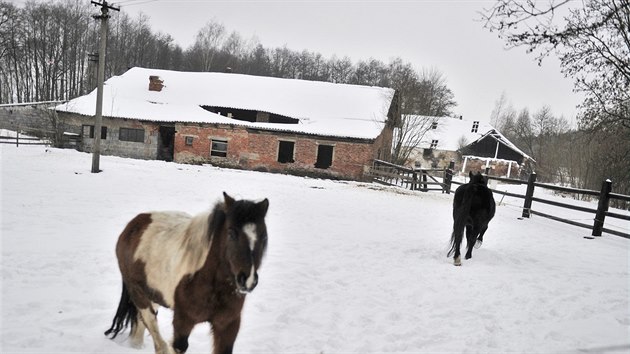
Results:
<point x="240" y="121"/>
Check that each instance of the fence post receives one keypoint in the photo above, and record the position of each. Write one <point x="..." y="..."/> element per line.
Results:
<point x="448" y="177"/>
<point x="529" y="195"/>
<point x="17" y="137"/>
<point x="425" y="187"/>
<point x="415" y="180"/>
<point x="602" y="207"/>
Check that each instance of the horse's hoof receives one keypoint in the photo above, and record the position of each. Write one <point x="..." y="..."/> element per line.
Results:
<point x="457" y="261"/>
<point x="478" y="244"/>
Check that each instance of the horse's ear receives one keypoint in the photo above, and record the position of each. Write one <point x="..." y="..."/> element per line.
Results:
<point x="229" y="201"/>
<point x="263" y="207"/>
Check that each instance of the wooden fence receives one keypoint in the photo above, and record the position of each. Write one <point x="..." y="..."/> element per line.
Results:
<point x="604" y="196"/>
<point x="24" y="140"/>
<point x="442" y="179"/>
<point x="421" y="179"/>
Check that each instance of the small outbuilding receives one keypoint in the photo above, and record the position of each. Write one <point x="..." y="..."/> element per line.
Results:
<point x="472" y="145"/>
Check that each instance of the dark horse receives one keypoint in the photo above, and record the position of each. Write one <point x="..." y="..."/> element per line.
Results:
<point x="199" y="266"/>
<point x="473" y="208"/>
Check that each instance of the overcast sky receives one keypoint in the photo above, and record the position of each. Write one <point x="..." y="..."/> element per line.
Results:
<point x="445" y="35"/>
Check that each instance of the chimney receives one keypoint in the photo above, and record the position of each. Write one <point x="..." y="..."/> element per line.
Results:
<point x="155" y="83"/>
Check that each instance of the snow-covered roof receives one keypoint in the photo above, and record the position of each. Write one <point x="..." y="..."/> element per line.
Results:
<point x="450" y="132"/>
<point x="322" y="108"/>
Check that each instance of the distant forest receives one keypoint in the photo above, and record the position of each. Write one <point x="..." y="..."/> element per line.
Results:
<point x="44" y="51"/>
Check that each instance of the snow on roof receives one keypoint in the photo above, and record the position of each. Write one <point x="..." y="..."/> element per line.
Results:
<point x="322" y="108"/>
<point x="451" y="131"/>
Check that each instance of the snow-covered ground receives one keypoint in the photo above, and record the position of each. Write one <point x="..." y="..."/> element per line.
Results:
<point x="351" y="267"/>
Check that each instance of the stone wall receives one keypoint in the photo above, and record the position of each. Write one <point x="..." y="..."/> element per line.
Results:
<point x="32" y="117"/>
<point x="112" y="145"/>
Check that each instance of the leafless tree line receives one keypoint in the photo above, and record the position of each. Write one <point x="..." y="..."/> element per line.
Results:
<point x="565" y="154"/>
<point x="592" y="41"/>
<point x="45" y="46"/>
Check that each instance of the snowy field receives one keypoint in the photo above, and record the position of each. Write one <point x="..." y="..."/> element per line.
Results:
<point x="350" y="268"/>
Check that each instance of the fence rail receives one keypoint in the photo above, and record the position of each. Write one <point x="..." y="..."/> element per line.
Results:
<point x="422" y="179"/>
<point x="17" y="140"/>
<point x="417" y="179"/>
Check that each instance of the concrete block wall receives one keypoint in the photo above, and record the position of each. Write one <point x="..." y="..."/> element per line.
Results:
<point x="112" y="145"/>
<point x="31" y="116"/>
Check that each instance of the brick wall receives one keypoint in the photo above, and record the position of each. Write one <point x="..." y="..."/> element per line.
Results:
<point x="258" y="150"/>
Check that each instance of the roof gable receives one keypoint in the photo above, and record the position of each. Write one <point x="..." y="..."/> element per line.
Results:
<point x="452" y="133"/>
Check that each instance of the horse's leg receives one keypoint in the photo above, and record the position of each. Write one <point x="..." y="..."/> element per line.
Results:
<point x="182" y="326"/>
<point x="480" y="237"/>
<point x="137" y="333"/>
<point x="457" y="258"/>
<point x="224" y="335"/>
<point x="149" y="317"/>
<point x="471" y="237"/>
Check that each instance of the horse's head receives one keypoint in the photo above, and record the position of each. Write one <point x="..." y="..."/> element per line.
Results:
<point x="246" y="240"/>
<point x="477" y="178"/>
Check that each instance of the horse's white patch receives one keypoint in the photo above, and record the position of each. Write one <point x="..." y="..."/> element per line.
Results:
<point x="250" y="230"/>
<point x="250" y="280"/>
<point x="174" y="245"/>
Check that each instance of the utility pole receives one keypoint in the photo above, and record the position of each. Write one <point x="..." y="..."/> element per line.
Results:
<point x="98" y="119"/>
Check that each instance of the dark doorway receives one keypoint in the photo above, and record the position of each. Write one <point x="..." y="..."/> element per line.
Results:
<point x="324" y="156"/>
<point x="166" y="141"/>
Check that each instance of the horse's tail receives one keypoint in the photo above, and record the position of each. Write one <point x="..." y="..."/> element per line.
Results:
<point x="127" y="313"/>
<point x="460" y="214"/>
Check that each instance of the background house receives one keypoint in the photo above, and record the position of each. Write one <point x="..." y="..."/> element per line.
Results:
<point x="472" y="145"/>
<point x="244" y="121"/>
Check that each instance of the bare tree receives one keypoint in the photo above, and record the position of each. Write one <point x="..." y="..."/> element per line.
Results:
<point x="409" y="136"/>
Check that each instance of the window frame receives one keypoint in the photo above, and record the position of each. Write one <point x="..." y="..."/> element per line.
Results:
<point x="90" y="134"/>
<point x="281" y="154"/>
<point x="220" y="153"/>
<point x="475" y="127"/>
<point x="319" y="162"/>
<point x="131" y="135"/>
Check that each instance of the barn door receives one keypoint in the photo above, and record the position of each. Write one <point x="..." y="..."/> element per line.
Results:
<point x="166" y="144"/>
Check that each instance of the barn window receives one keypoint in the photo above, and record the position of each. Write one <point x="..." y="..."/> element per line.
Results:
<point x="285" y="151"/>
<point x="128" y="134"/>
<point x="475" y="127"/>
<point x="433" y="144"/>
<point x="218" y="148"/>
<point x="189" y="140"/>
<point x="88" y="131"/>
<point x="434" y="125"/>
<point x="324" y="156"/>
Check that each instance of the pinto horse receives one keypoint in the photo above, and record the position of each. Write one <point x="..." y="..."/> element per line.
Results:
<point x="473" y="208"/>
<point x="199" y="266"/>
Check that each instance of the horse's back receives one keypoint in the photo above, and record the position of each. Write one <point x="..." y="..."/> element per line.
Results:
<point x="154" y="248"/>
